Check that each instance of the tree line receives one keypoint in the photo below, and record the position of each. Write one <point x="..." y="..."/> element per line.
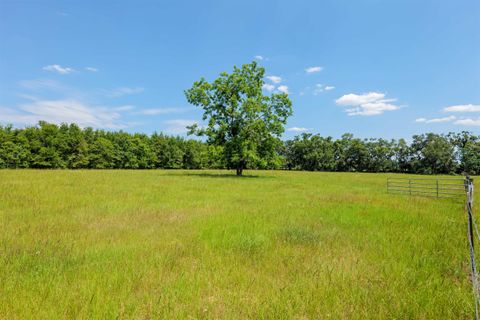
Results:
<point x="68" y="146"/>
<point x="428" y="153"/>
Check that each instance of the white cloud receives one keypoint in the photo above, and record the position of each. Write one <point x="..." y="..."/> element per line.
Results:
<point x="328" y="88"/>
<point x="178" y="126"/>
<point x="91" y="69"/>
<point x="283" y="89"/>
<point x="298" y="129"/>
<point x="58" y="68"/>
<point x="435" y="120"/>
<point x="463" y="108"/>
<point x="313" y="69"/>
<point x="371" y="109"/>
<point x="367" y="104"/>
<point x="274" y="79"/>
<point x="468" y="122"/>
<point x="121" y="91"/>
<point x="63" y="111"/>
<point x="156" y="111"/>
<point x="268" y="87"/>
<point x="261" y="58"/>
<point x="353" y="99"/>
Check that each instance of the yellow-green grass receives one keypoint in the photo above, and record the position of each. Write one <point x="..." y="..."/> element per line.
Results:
<point x="206" y="244"/>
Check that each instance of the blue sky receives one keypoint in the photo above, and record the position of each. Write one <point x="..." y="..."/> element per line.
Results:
<point x="372" y="68"/>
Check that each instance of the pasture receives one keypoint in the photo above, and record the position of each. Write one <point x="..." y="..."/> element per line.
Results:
<point x="208" y="245"/>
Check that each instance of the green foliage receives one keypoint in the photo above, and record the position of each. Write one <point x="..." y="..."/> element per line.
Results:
<point x="69" y="146"/>
<point x="15" y="155"/>
<point x="427" y="154"/>
<point x="467" y="151"/>
<point x="240" y="118"/>
<point x="432" y="154"/>
<point x="310" y="152"/>
<point x="471" y="157"/>
<point x="102" y="154"/>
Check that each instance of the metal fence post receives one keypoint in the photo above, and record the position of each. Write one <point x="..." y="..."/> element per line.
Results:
<point x="469" y="209"/>
<point x="471" y="238"/>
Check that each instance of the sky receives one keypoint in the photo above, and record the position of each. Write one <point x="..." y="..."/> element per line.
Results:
<point x="384" y="69"/>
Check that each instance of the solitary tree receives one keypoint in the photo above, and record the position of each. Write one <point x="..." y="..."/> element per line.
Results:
<point x="242" y="120"/>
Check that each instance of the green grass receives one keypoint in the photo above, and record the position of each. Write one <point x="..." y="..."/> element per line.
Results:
<point x="206" y="245"/>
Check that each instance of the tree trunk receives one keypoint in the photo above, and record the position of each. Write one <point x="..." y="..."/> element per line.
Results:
<point x="239" y="170"/>
<point x="240" y="166"/>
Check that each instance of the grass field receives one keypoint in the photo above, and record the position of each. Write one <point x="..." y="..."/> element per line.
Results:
<point x="204" y="244"/>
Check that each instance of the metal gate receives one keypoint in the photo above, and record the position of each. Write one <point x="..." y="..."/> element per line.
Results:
<point x="428" y="187"/>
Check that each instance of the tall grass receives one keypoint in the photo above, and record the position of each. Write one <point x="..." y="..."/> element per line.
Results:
<point x="205" y="244"/>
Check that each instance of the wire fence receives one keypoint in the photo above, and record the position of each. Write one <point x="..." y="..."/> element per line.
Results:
<point x="459" y="188"/>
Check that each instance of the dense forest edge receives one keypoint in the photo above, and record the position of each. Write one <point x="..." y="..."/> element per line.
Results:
<point x="67" y="146"/>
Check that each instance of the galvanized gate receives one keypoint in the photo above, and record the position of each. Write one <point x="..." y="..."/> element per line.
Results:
<point x="428" y="187"/>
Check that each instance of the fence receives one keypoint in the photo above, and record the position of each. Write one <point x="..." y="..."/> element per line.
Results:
<point x="472" y="230"/>
<point x="460" y="188"/>
<point x="428" y="187"/>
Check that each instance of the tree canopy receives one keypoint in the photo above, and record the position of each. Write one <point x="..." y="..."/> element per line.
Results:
<point x="47" y="145"/>
<point x="242" y="120"/>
